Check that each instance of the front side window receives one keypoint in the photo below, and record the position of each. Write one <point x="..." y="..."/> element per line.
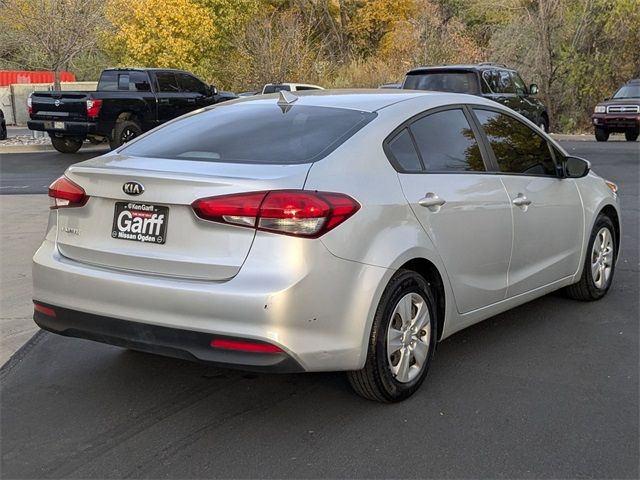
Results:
<point x="139" y="82"/>
<point x="253" y="133"/>
<point x="167" y="82"/>
<point x="505" y="82"/>
<point x="521" y="88"/>
<point x="190" y="84"/>
<point x="517" y="147"/>
<point x="446" y="143"/>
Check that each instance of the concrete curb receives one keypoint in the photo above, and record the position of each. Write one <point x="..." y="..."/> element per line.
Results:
<point x="42" y="148"/>
<point x="20" y="353"/>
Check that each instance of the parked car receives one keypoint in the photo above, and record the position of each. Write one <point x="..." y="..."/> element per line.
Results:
<point x="3" y="126"/>
<point x="373" y="226"/>
<point x="288" y="87"/>
<point x="127" y="103"/>
<point x="619" y="114"/>
<point x="495" y="82"/>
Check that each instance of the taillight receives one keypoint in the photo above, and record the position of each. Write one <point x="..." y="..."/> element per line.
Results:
<point x="48" y="311"/>
<point x="290" y="212"/>
<point x="67" y="194"/>
<point x="29" y="104"/>
<point x="93" y="108"/>
<point x="245" y="346"/>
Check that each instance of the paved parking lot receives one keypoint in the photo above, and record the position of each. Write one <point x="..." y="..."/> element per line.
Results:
<point x="549" y="389"/>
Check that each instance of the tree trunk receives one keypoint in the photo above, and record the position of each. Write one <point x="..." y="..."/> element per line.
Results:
<point x="56" y="80"/>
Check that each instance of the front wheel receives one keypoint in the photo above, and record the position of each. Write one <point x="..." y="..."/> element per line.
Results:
<point x="599" y="264"/>
<point x="402" y="341"/>
<point x="601" y="134"/>
<point x="543" y="124"/>
<point x="632" y="135"/>
<point x="66" y="144"/>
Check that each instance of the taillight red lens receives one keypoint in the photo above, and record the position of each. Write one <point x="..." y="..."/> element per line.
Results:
<point x="245" y="346"/>
<point x="93" y="108"/>
<point x="48" y="311"/>
<point x="29" y="104"/>
<point x="67" y="194"/>
<point x="290" y="212"/>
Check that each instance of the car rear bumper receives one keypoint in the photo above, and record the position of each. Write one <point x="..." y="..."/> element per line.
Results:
<point x="291" y="293"/>
<point x="171" y="342"/>
<point x="616" y="122"/>
<point x="79" y="129"/>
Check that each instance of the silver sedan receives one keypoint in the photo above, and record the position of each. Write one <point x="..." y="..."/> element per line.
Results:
<point x="322" y="231"/>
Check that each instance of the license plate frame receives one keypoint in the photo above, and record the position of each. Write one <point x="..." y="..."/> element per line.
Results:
<point x="144" y="222"/>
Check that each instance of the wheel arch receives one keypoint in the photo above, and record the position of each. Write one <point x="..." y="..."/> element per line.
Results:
<point x="610" y="212"/>
<point x="432" y="275"/>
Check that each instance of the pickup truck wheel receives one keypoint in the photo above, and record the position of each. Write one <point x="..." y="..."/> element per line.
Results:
<point x="631" y="135"/>
<point x="66" y="144"/>
<point x="124" y="132"/>
<point x="601" y="134"/>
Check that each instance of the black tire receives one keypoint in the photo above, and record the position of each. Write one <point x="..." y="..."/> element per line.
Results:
<point x="601" y="134"/>
<point x="3" y="131"/>
<point x="586" y="289"/>
<point x="631" y="135"/>
<point x="124" y="132"/>
<point x="66" y="144"/>
<point x="376" y="380"/>
<point x="544" y="124"/>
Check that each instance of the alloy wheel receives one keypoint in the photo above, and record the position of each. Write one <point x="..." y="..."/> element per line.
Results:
<point x="602" y="258"/>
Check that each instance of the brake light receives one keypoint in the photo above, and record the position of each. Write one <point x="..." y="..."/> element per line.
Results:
<point x="67" y="194"/>
<point x="93" y="108"/>
<point x="29" y="104"/>
<point x="290" y="212"/>
<point x="245" y="346"/>
<point x="48" y="311"/>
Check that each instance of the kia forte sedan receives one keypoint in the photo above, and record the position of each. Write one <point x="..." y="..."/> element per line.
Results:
<point x="325" y="231"/>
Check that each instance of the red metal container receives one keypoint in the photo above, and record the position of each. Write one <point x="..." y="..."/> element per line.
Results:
<point x="8" y="77"/>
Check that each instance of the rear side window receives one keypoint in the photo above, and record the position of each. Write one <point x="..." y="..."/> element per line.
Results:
<point x="446" y="143"/>
<point x="250" y="133"/>
<point x="167" y="82"/>
<point x="139" y="82"/>
<point x="517" y="147"/>
<point x="404" y="152"/>
<point x="108" y="81"/>
<point x="458" y="82"/>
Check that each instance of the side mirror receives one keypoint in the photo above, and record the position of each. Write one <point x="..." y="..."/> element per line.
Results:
<point x="214" y="90"/>
<point x="576" y="167"/>
<point x="533" y="89"/>
<point x="606" y="99"/>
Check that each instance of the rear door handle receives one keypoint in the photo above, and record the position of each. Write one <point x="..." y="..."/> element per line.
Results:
<point x="191" y="100"/>
<point x="432" y="201"/>
<point x="521" y="201"/>
<point x="164" y="100"/>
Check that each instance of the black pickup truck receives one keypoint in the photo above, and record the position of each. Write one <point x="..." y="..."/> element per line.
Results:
<point x="126" y="103"/>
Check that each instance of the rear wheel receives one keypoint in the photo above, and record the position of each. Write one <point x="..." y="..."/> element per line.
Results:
<point x="124" y="132"/>
<point x="631" y="135"/>
<point x="599" y="264"/>
<point x="402" y="341"/>
<point x="66" y="144"/>
<point x="601" y="134"/>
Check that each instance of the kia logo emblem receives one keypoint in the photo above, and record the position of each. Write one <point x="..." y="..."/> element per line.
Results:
<point x="57" y="103"/>
<point x="133" y="188"/>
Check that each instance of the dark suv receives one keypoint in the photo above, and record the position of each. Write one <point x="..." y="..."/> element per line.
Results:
<point x="490" y="80"/>
<point x="619" y="114"/>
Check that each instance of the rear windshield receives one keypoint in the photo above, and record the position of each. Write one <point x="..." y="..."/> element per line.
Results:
<point x="457" y="82"/>
<point x="246" y="133"/>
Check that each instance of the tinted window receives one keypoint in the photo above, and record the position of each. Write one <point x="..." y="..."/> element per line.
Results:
<point x="167" y="82"/>
<point x="517" y="147"/>
<point x="301" y="88"/>
<point x="139" y="81"/>
<point x="404" y="152"/>
<point x="108" y="81"/>
<point x="250" y="133"/>
<point x="519" y="85"/>
<point x="190" y="84"/>
<point x="446" y="143"/>
<point x="459" y="82"/>
<point x="123" y="81"/>
<point x="504" y="82"/>
<point x="275" y="88"/>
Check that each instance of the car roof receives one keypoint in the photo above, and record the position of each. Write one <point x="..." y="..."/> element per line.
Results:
<point x="369" y="100"/>
<point x="465" y="67"/>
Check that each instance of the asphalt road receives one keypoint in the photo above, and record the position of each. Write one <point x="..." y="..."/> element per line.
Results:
<point x="549" y="389"/>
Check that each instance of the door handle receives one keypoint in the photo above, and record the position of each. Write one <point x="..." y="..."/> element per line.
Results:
<point x="164" y="100"/>
<point x="191" y="100"/>
<point x="521" y="201"/>
<point x="432" y="201"/>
